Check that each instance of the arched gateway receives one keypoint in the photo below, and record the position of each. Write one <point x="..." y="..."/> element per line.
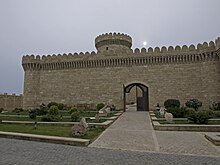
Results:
<point x="142" y="100"/>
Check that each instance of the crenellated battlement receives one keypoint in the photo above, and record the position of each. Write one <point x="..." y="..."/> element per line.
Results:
<point x="205" y="47"/>
<point x="113" y="41"/>
<point x="109" y="36"/>
<point x="10" y="95"/>
<point x="111" y="58"/>
<point x="10" y="101"/>
<point x="217" y="43"/>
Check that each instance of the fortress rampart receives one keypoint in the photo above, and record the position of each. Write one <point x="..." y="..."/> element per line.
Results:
<point x="112" y="58"/>
<point x="73" y="78"/>
<point x="10" y="101"/>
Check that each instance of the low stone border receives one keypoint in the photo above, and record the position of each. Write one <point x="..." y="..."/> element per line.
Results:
<point x="214" y="138"/>
<point x="181" y="127"/>
<point x="185" y="127"/>
<point x="55" y="139"/>
<point x="163" y="119"/>
<point x="47" y="139"/>
<point x="102" y="125"/>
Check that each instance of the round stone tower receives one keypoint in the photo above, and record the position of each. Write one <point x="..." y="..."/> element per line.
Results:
<point x="117" y="42"/>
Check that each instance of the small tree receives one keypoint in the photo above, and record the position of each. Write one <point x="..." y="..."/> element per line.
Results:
<point x="215" y="106"/>
<point x="172" y="103"/>
<point x="18" y="110"/>
<point x="51" y="104"/>
<point x="43" y="110"/>
<point x="194" y="103"/>
<point x="100" y="106"/>
<point x="177" y="112"/>
<point x="75" y="116"/>
<point x="33" y="114"/>
<point x="201" y="117"/>
<point x="1" y="109"/>
<point x="60" y="106"/>
<point x="52" y="114"/>
<point x="72" y="110"/>
<point x="53" y="110"/>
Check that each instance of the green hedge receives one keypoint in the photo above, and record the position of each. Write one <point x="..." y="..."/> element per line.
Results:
<point x="172" y="103"/>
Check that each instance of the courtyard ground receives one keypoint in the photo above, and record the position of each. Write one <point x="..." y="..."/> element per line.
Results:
<point x="133" y="131"/>
<point x="129" y="140"/>
<point x="21" y="152"/>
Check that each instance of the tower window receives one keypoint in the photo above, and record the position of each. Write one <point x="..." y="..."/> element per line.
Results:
<point x="106" y="48"/>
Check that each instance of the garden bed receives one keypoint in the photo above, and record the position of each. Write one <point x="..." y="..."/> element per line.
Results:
<point x="66" y="118"/>
<point x="185" y="127"/>
<point x="49" y="130"/>
<point x="185" y="121"/>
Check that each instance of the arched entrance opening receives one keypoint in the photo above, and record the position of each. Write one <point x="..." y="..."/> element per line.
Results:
<point x="142" y="96"/>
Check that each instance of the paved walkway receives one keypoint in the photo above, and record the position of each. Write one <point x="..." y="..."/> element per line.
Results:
<point x="21" y="152"/>
<point x="133" y="131"/>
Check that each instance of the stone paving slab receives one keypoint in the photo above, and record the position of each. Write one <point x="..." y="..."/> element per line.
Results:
<point x="185" y="143"/>
<point x="128" y="140"/>
<point x="213" y="137"/>
<point x="129" y="132"/>
<point x="134" y="131"/>
<point x="21" y="152"/>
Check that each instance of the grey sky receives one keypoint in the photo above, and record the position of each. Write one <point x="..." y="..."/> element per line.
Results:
<point x="63" y="26"/>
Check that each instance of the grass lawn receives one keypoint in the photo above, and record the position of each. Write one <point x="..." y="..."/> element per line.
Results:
<point x="15" y="118"/>
<point x="50" y="130"/>
<point x="65" y="114"/>
<point x="176" y="122"/>
<point x="14" y="113"/>
<point x="88" y="114"/>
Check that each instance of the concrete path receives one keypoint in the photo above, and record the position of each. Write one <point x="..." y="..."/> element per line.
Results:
<point x="133" y="131"/>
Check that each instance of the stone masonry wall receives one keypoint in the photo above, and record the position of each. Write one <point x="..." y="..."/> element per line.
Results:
<point x="181" y="72"/>
<point x="182" y="81"/>
<point x="10" y="102"/>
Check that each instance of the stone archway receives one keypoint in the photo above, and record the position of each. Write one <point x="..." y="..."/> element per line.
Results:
<point x="142" y="101"/>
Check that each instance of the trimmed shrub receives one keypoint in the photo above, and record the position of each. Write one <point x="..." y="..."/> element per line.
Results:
<point x="51" y="104"/>
<point x="43" y="110"/>
<point x="72" y="110"/>
<point x="189" y="111"/>
<point x="201" y="117"/>
<point x="75" y="116"/>
<point x="100" y="106"/>
<point x="33" y="114"/>
<point x="1" y="109"/>
<point x="216" y="113"/>
<point x="177" y="112"/>
<point x="18" y="110"/>
<point x="215" y="106"/>
<point x="50" y="118"/>
<point x="60" y="106"/>
<point x="194" y="103"/>
<point x="53" y="110"/>
<point x="172" y="103"/>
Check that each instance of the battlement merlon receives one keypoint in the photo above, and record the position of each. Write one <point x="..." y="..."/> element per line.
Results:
<point x="9" y="95"/>
<point x="217" y="43"/>
<point x="177" y="50"/>
<point x="113" y="41"/>
<point x="108" y="36"/>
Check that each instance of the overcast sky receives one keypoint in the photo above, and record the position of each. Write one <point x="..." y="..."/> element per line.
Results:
<point x="43" y="27"/>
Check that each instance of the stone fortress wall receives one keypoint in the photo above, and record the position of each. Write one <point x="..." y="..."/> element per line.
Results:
<point x="174" y="72"/>
<point x="10" y="101"/>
